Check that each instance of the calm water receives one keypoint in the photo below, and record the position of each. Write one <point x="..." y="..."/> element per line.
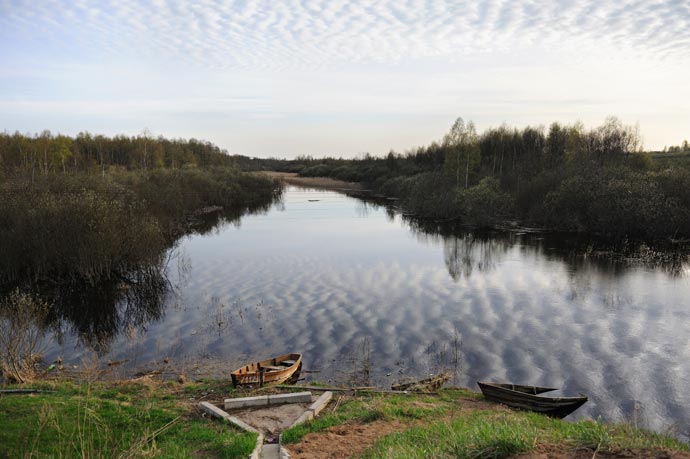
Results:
<point x="348" y="284"/>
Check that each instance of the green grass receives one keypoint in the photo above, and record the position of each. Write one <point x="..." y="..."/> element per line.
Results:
<point x="104" y="421"/>
<point x="366" y="409"/>
<point x="496" y="435"/>
<point x="439" y="430"/>
<point x="132" y="420"/>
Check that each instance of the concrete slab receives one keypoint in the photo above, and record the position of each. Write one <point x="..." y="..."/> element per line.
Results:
<point x="271" y="451"/>
<point x="218" y="413"/>
<point x="264" y="400"/>
<point x="245" y="402"/>
<point x="256" y="452"/>
<point x="241" y="424"/>
<point x="297" y="397"/>
<point x="321" y="402"/>
<point x="213" y="410"/>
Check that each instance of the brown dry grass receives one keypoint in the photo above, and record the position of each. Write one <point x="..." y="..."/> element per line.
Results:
<point x="314" y="182"/>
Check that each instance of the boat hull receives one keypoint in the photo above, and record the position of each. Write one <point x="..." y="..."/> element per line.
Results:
<point x="526" y="399"/>
<point x="275" y="370"/>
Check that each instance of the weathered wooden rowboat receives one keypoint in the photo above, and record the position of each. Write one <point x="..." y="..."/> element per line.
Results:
<point x="276" y="370"/>
<point x="528" y="398"/>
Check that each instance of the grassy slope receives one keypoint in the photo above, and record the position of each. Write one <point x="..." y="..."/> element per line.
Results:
<point x="160" y="420"/>
<point x="451" y="426"/>
<point x="127" y="420"/>
<point x="491" y="434"/>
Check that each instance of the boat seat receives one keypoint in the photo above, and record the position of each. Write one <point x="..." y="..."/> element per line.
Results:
<point x="288" y="363"/>
<point x="271" y="367"/>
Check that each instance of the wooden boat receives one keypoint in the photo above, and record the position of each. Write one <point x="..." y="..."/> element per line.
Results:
<point x="276" y="370"/>
<point x="528" y="398"/>
<point x="425" y="385"/>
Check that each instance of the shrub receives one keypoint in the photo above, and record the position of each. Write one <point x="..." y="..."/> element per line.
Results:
<point x="486" y="204"/>
<point x="22" y="322"/>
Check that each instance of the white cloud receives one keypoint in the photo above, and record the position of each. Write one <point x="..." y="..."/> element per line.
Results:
<point x="522" y="62"/>
<point x="318" y="32"/>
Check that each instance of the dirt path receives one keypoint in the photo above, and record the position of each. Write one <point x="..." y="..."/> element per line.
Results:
<point x="350" y="439"/>
<point x="346" y="440"/>
<point x="273" y="419"/>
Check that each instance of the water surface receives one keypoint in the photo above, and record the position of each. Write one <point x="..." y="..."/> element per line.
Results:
<point x="351" y="285"/>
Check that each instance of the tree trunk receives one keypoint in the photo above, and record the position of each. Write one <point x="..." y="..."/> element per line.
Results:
<point x="45" y="161"/>
<point x="457" y="167"/>
<point x="467" y="169"/>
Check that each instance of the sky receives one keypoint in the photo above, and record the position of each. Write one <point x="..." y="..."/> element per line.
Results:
<point x="284" y="78"/>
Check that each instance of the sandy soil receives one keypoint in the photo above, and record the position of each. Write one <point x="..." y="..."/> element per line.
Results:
<point x="272" y="420"/>
<point x="343" y="441"/>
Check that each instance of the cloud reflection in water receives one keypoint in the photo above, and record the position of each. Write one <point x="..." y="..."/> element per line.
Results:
<point x="320" y="277"/>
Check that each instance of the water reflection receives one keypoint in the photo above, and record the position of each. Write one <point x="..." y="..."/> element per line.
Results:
<point x="96" y="313"/>
<point x="358" y="285"/>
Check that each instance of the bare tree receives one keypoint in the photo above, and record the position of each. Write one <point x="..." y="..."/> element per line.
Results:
<point x="463" y="140"/>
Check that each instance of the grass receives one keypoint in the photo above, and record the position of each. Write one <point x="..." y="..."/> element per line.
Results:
<point x="438" y="429"/>
<point x="101" y="420"/>
<point x="499" y="434"/>
<point x="367" y="409"/>
<point x="156" y="419"/>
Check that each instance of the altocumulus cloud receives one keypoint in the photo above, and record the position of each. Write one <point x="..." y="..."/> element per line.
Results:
<point x="270" y="34"/>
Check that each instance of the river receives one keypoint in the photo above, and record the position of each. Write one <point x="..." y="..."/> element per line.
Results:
<point x="369" y="297"/>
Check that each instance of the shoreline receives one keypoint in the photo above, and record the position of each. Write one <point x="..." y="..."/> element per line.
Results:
<point x="633" y="251"/>
<point x="325" y="183"/>
<point x="145" y="413"/>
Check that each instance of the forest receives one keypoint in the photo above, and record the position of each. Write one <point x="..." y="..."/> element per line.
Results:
<point x="566" y="178"/>
<point x="91" y="217"/>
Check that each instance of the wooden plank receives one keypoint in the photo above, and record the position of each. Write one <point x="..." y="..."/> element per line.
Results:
<point x="271" y="367"/>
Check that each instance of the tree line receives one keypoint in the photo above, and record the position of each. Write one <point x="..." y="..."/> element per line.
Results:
<point x="682" y="148"/>
<point x="45" y="153"/>
<point x="564" y="177"/>
<point x="87" y="223"/>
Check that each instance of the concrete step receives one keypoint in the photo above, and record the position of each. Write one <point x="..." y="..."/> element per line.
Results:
<point x="271" y="451"/>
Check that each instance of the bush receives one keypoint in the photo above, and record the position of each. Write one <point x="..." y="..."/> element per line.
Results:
<point x="486" y="204"/>
<point x="319" y="170"/>
<point x="621" y="203"/>
<point x="22" y="322"/>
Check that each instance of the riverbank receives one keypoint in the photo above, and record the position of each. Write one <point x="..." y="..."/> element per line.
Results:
<point x="146" y="417"/>
<point x="596" y="183"/>
<point x="671" y="255"/>
<point x="325" y="183"/>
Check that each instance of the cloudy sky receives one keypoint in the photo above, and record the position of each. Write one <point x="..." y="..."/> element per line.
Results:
<point x="282" y="78"/>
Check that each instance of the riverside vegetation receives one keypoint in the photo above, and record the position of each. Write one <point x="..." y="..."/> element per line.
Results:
<point x="91" y="217"/>
<point x="565" y="178"/>
<point x="151" y="418"/>
<point x="86" y="224"/>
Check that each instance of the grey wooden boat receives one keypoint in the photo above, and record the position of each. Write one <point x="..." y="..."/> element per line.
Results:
<point x="528" y="398"/>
